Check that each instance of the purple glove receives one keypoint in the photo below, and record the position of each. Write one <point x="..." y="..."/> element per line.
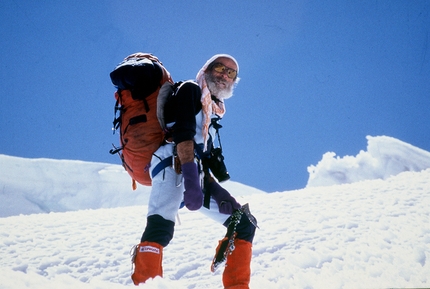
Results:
<point x="193" y="195"/>
<point x="226" y="203"/>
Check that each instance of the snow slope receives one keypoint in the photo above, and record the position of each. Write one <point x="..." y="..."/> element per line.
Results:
<point x="373" y="233"/>
<point x="45" y="185"/>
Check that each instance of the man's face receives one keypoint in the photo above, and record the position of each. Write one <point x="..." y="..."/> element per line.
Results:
<point x="221" y="77"/>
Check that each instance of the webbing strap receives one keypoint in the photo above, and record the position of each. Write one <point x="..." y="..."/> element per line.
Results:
<point x="161" y="166"/>
<point x="206" y="198"/>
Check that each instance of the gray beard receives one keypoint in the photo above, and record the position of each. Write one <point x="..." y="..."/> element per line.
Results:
<point x="220" y="93"/>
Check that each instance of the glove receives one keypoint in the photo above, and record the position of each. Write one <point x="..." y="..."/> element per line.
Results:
<point x="193" y="195"/>
<point x="226" y="203"/>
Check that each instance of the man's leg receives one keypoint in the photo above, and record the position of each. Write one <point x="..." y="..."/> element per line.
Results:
<point x="237" y="272"/>
<point x="163" y="206"/>
<point x="147" y="259"/>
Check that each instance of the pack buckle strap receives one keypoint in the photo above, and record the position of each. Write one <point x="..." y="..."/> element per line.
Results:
<point x="161" y="166"/>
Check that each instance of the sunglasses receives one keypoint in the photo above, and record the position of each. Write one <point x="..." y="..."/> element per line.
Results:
<point x="221" y="68"/>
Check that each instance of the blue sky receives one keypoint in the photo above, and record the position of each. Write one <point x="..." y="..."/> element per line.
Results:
<point x="316" y="76"/>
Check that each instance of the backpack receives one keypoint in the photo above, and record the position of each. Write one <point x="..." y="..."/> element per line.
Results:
<point x="138" y="80"/>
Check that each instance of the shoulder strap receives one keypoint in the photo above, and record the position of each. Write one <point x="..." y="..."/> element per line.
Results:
<point x="166" y="91"/>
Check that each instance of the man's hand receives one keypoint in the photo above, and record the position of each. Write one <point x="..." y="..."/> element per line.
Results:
<point x="193" y="195"/>
<point x="226" y="203"/>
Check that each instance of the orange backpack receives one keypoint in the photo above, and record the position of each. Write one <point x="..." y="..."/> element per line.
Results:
<point x="138" y="80"/>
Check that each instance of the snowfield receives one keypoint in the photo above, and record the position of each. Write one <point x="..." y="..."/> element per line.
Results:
<point x="71" y="224"/>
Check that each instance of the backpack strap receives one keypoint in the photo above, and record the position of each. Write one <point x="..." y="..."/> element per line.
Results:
<point x="162" y="165"/>
<point x="166" y="91"/>
<point x="116" y="119"/>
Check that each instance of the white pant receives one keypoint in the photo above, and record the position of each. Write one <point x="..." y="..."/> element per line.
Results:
<point x="167" y="191"/>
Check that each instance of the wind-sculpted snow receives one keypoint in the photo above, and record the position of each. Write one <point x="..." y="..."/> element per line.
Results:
<point x="45" y="185"/>
<point x="385" y="157"/>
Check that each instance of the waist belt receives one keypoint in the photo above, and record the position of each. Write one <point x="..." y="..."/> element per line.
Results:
<point x="161" y="166"/>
